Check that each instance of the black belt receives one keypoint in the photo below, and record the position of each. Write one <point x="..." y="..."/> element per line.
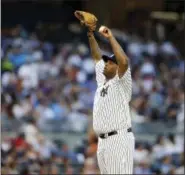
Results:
<point x="104" y="136"/>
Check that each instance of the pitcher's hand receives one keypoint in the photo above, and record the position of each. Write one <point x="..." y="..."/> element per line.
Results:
<point x="105" y="31"/>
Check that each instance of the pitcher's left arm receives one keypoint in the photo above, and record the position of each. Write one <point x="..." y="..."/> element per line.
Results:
<point x="120" y="55"/>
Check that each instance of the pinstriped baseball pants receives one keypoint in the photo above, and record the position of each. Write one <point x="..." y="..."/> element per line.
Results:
<point x="115" y="153"/>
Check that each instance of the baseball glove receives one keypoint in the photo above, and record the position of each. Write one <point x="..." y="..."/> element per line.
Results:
<point x="87" y="19"/>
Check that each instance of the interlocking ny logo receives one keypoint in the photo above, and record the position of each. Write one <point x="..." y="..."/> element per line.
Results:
<point x="104" y="91"/>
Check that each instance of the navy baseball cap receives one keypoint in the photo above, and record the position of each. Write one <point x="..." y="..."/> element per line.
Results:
<point x="111" y="58"/>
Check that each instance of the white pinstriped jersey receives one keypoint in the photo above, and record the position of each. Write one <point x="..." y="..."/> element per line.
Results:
<point x="111" y="103"/>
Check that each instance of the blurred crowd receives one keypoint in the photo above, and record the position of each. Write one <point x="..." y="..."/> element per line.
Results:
<point x="50" y="87"/>
<point x="165" y="156"/>
<point x="20" y="156"/>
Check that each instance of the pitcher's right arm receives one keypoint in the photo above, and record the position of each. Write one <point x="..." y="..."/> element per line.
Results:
<point x="94" y="47"/>
<point x="96" y="54"/>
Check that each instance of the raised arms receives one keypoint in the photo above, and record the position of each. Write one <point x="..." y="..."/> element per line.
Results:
<point x="90" y="21"/>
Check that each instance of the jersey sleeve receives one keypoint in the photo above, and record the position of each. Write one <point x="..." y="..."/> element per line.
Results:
<point x="99" y="67"/>
<point x="125" y="83"/>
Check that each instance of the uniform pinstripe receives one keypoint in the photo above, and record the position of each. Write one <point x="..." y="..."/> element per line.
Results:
<point x="111" y="112"/>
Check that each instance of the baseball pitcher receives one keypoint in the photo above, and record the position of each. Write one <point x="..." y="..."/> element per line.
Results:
<point x="111" y="115"/>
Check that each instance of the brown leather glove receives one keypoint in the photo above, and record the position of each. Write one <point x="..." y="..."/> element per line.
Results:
<point x="87" y="19"/>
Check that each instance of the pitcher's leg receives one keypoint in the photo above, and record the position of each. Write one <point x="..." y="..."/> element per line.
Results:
<point x="119" y="156"/>
<point x="101" y="161"/>
<point x="129" y="158"/>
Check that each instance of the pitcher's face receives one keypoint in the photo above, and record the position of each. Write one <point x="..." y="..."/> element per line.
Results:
<point x="110" y="69"/>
